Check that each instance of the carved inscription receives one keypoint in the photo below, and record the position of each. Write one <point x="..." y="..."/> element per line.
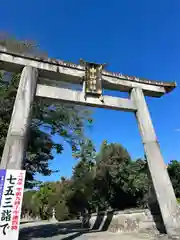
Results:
<point x="93" y="78"/>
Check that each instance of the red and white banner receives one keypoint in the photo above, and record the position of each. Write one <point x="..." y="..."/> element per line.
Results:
<point x="11" y="195"/>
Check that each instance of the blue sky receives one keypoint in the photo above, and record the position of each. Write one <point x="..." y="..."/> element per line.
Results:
<point x="139" y="38"/>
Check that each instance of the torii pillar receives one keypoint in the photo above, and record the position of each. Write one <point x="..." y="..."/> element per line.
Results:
<point x="160" y="177"/>
<point x="16" y="141"/>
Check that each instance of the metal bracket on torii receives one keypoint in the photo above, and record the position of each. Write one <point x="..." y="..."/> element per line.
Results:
<point x="92" y="81"/>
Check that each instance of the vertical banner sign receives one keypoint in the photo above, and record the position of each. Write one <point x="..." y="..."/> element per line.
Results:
<point x="11" y="195"/>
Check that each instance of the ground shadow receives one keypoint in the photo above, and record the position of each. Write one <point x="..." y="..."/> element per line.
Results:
<point x="78" y="234"/>
<point x="102" y="223"/>
<point x="24" y="222"/>
<point x="155" y="211"/>
<point x="98" y="221"/>
<point x="107" y="218"/>
<point x="157" y="217"/>
<point x="27" y="221"/>
<point x="48" y="230"/>
<point x="153" y="206"/>
<point x="73" y="236"/>
<point x="68" y="230"/>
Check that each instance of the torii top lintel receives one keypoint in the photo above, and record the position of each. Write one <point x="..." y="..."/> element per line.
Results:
<point x="65" y="71"/>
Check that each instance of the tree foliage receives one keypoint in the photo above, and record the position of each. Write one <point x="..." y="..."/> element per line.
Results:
<point x="26" y="47"/>
<point x="41" y="199"/>
<point x="112" y="175"/>
<point x="174" y="174"/>
<point x="28" y="207"/>
<point x="112" y="180"/>
<point x="61" y="211"/>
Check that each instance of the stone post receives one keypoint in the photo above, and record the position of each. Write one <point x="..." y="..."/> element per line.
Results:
<point x="160" y="178"/>
<point x="16" y="140"/>
<point x="53" y="215"/>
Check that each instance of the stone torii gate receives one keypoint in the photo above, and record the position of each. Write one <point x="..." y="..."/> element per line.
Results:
<point x="37" y="79"/>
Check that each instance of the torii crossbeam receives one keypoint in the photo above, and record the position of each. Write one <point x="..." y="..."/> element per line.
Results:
<point x="43" y="77"/>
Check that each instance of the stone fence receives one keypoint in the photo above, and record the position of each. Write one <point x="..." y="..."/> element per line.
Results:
<point x="134" y="220"/>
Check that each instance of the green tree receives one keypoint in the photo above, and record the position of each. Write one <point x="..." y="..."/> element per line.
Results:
<point x="50" y="195"/>
<point x="112" y="174"/>
<point x="120" y="182"/>
<point x="41" y="200"/>
<point x="58" y="198"/>
<point x="82" y="179"/>
<point x="174" y="174"/>
<point x="82" y="186"/>
<point x="139" y="181"/>
<point x="61" y="211"/>
<point x="28" y="208"/>
<point x="15" y="45"/>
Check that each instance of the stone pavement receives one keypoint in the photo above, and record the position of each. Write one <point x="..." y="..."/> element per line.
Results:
<point x="95" y="236"/>
<point x="70" y="230"/>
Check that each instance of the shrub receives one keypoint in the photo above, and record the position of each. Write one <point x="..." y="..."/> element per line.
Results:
<point x="61" y="211"/>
